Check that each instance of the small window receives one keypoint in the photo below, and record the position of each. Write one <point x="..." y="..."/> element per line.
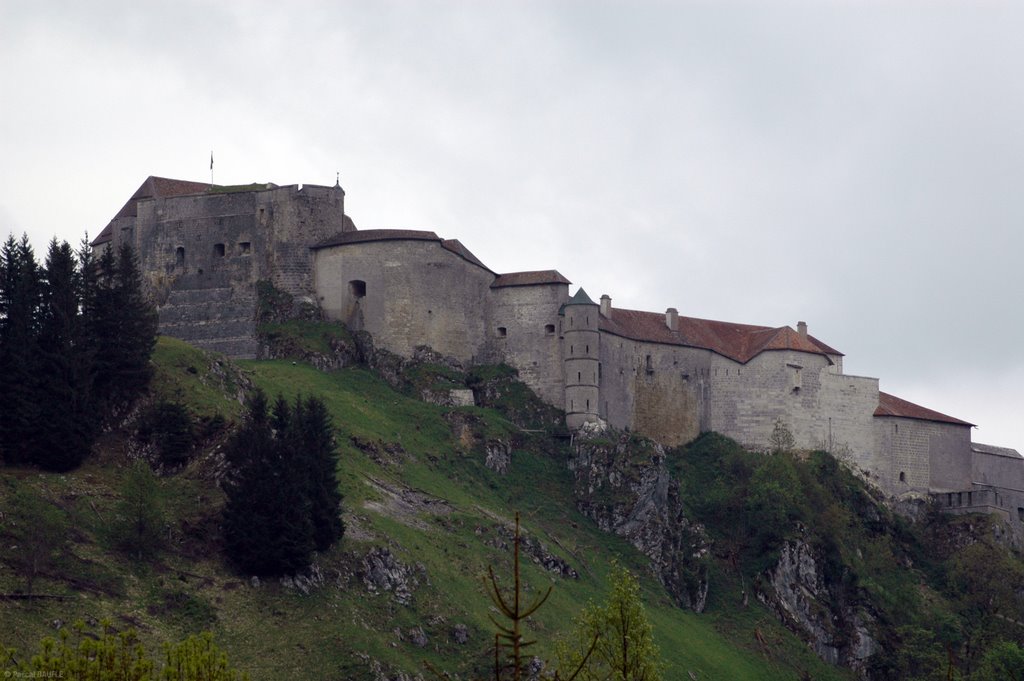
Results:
<point x="218" y="250"/>
<point x="588" y="349"/>
<point x="1020" y="513"/>
<point x="244" y="247"/>
<point x="357" y="288"/>
<point x="179" y="256"/>
<point x="903" y="476"/>
<point x="648" y="365"/>
<point x="502" y="332"/>
<point x="579" y="376"/>
<point x="549" y="329"/>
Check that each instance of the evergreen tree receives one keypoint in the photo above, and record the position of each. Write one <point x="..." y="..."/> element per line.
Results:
<point x="138" y="528"/>
<point x="66" y="418"/>
<point x="20" y="295"/>
<point x="36" y="532"/>
<point x="123" y="327"/>
<point x="267" y="525"/>
<point x="318" y="448"/>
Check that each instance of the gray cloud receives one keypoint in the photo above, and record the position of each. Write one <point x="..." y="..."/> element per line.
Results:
<point x="854" y="164"/>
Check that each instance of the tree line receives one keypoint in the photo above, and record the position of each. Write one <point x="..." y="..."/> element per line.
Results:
<point x="76" y="335"/>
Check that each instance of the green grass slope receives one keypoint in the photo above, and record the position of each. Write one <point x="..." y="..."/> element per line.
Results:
<point x="415" y="484"/>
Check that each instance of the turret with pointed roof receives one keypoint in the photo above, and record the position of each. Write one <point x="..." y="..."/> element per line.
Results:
<point x="581" y="351"/>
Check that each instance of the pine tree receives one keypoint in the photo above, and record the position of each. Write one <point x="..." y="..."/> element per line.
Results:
<point x="138" y="526"/>
<point x="20" y="292"/>
<point x="122" y="325"/>
<point x="66" y="418"/>
<point x="36" y="533"/>
<point x="318" y="447"/>
<point x="267" y="525"/>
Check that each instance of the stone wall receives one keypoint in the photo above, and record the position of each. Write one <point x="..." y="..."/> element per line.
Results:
<point x="845" y="418"/>
<point x="406" y="293"/>
<point x="658" y="390"/>
<point x="529" y="341"/>
<point x="1003" y="477"/>
<point x="922" y="455"/>
<point x="296" y="219"/>
<point x="201" y="256"/>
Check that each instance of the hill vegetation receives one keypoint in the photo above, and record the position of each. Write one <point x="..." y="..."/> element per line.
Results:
<point x="795" y="558"/>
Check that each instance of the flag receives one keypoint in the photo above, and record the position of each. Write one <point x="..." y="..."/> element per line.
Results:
<point x="211" y="160"/>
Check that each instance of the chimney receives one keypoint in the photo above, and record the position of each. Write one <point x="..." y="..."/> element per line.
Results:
<point x="606" y="305"/>
<point x="801" y="328"/>
<point x="672" y="318"/>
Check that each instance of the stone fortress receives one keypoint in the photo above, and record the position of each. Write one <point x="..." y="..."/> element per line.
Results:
<point x="203" y="247"/>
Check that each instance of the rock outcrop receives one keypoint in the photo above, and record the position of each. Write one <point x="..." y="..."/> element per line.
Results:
<point x="381" y="572"/>
<point x="622" y="484"/>
<point x="795" y="589"/>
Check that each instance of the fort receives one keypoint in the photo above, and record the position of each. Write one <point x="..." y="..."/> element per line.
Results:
<point x="202" y="249"/>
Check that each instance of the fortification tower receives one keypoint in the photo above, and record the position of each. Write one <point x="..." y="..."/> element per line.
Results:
<point x="580" y="352"/>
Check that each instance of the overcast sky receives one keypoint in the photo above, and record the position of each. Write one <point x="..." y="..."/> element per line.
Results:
<point x="857" y="165"/>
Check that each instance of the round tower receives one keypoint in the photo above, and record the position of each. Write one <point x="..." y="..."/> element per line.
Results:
<point x="581" y="352"/>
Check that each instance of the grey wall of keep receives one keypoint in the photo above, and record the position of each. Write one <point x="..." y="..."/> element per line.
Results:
<point x="201" y="256"/>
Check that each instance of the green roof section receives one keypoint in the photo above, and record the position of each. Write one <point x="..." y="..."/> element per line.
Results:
<point x="581" y="298"/>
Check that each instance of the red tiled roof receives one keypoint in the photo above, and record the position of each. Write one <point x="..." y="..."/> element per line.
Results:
<point x="529" y="278"/>
<point x="739" y="342"/>
<point x="160" y="187"/>
<point x="890" y="405"/>
<point x="151" y="188"/>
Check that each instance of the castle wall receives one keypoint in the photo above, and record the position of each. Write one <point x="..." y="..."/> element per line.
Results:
<point x="196" y="265"/>
<point x="659" y="390"/>
<point x="1004" y="475"/>
<point x="412" y="293"/>
<point x="844" y="423"/>
<point x="530" y="340"/>
<point x="918" y="455"/>
<point x="201" y="256"/>
<point x="295" y="219"/>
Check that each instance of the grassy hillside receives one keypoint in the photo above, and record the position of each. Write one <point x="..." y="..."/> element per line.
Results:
<point x="415" y="484"/>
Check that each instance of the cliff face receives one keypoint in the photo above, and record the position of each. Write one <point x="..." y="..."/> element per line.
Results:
<point x="623" y="485"/>
<point x="796" y="590"/>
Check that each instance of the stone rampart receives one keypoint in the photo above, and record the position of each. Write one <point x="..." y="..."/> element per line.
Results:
<point x="523" y="332"/>
<point x="654" y="389"/>
<point x="406" y="293"/>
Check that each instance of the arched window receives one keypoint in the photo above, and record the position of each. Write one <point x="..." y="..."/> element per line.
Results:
<point x="179" y="256"/>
